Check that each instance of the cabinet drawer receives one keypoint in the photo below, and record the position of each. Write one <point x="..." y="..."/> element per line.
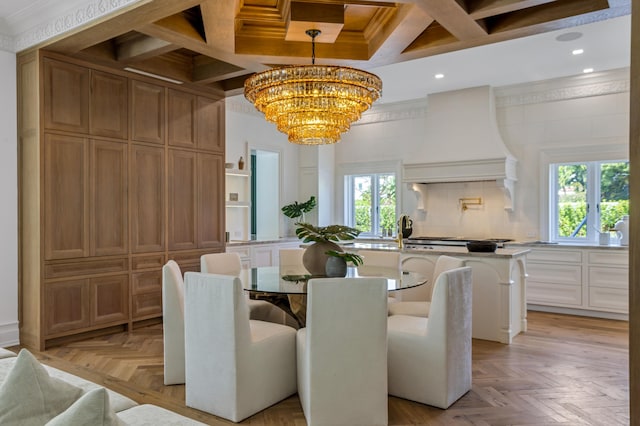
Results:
<point x="89" y="267"/>
<point x="609" y="277"/>
<point x="610" y="299"/>
<point x="147" y="304"/>
<point x="553" y="255"/>
<point x="147" y="262"/>
<point x="553" y="294"/>
<point x="146" y="282"/>
<point x="605" y="257"/>
<point x="555" y="273"/>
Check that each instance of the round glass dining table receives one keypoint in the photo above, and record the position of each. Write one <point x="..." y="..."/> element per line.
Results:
<point x="286" y="286"/>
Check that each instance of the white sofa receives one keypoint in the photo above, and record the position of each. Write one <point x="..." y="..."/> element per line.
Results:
<point x="127" y="410"/>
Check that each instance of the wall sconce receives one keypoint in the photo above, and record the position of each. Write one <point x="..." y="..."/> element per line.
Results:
<point x="466" y="202"/>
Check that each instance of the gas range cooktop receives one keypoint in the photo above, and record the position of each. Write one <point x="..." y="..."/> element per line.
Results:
<point x="451" y="241"/>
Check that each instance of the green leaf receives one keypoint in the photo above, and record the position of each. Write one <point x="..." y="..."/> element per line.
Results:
<point x="310" y="233"/>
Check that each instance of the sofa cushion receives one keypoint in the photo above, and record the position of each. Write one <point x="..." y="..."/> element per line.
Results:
<point x="5" y="353"/>
<point x="30" y="396"/>
<point x="151" y="415"/>
<point x="92" y="408"/>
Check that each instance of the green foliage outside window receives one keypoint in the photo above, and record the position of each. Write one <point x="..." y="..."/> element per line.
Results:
<point x="387" y="206"/>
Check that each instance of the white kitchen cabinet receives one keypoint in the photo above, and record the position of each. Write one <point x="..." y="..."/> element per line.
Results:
<point x="582" y="281"/>
<point x="256" y="254"/>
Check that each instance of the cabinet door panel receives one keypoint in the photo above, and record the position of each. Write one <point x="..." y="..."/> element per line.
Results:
<point x="147" y="112"/>
<point x="109" y="195"/>
<point x="66" y="209"/>
<point x="147" y="199"/>
<point x="182" y="200"/>
<point x="147" y="304"/>
<point x="67" y="306"/>
<point x="66" y="96"/>
<point x="108" y="112"/>
<point x="110" y="299"/>
<point x="210" y="122"/>
<point x="210" y="201"/>
<point x="181" y="119"/>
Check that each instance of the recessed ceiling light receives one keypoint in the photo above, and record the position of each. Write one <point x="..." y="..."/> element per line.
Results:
<point x="577" y="51"/>
<point x="587" y="70"/>
<point x="574" y="35"/>
<point x="438" y="76"/>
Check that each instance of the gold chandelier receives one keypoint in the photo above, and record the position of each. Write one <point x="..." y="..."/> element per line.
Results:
<point x="313" y="104"/>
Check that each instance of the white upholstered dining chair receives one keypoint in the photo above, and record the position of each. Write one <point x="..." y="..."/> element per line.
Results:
<point x="173" y="323"/>
<point x="342" y="352"/>
<point x="235" y="367"/>
<point x="429" y="359"/>
<point x="380" y="259"/>
<point x="420" y="308"/>
<point x="231" y="264"/>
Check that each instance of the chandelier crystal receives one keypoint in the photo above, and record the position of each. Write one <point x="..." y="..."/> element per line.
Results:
<point x="313" y="104"/>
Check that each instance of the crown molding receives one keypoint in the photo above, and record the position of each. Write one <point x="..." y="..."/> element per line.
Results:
<point x="565" y="88"/>
<point x="406" y="110"/>
<point x="54" y="25"/>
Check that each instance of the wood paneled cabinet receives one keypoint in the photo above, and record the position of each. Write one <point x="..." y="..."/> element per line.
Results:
<point x="85" y="197"/>
<point x="195" y="188"/>
<point x="118" y="176"/>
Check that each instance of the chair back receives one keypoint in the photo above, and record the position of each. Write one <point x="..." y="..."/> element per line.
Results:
<point x="341" y="312"/>
<point x="444" y="263"/>
<point x="173" y="323"/>
<point x="216" y="301"/>
<point x="221" y="263"/>
<point x="423" y="265"/>
<point x="449" y="324"/>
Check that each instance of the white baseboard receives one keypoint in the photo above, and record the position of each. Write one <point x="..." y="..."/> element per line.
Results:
<point x="9" y="334"/>
<point x="579" y="312"/>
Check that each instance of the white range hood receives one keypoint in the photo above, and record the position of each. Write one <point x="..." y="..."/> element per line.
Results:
<point x="465" y="144"/>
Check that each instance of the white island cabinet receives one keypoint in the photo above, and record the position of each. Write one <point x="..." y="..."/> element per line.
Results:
<point x="499" y="286"/>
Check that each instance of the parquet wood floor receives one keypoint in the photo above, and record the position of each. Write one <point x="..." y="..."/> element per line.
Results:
<point x="564" y="370"/>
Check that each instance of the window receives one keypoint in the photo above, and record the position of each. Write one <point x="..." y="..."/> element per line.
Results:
<point x="371" y="203"/>
<point x="587" y="198"/>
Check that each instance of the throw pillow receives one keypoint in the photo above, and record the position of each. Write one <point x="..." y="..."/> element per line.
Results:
<point x="92" y="409"/>
<point x="29" y="396"/>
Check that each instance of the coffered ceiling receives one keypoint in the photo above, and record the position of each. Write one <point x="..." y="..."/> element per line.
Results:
<point x="218" y="43"/>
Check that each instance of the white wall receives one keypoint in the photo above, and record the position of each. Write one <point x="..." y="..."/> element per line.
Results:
<point x="244" y="127"/>
<point x="568" y="115"/>
<point x="9" y="205"/>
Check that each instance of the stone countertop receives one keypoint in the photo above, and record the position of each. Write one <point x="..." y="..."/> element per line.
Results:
<point x="545" y="244"/>
<point x="456" y="250"/>
<point x="236" y="243"/>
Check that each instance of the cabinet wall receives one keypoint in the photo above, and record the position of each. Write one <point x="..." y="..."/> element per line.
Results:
<point x="120" y="175"/>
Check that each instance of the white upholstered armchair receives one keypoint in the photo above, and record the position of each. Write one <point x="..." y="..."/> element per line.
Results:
<point x="342" y="355"/>
<point x="231" y="264"/>
<point x="173" y="323"/>
<point x="235" y="366"/>
<point x="420" y="308"/>
<point x="429" y="359"/>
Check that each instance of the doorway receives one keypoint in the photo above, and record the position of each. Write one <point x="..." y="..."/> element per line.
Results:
<point x="265" y="194"/>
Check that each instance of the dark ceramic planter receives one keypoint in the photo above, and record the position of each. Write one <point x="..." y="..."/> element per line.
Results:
<point x="336" y="267"/>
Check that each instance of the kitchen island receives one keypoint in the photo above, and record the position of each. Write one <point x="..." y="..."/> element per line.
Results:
<point x="499" y="284"/>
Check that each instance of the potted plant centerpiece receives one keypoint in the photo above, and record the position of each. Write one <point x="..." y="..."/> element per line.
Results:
<point x="324" y="239"/>
<point x="296" y="210"/>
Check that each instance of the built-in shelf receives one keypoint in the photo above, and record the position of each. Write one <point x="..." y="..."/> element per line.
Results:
<point x="238" y="202"/>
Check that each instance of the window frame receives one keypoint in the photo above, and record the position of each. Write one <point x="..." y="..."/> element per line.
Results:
<point x="615" y="152"/>
<point x="345" y="202"/>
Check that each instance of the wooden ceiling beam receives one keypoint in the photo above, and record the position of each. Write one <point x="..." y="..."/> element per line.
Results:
<point x="142" y="48"/>
<point x="453" y="17"/>
<point x="208" y="70"/>
<point x="199" y="46"/>
<point x="389" y="43"/>
<point x="117" y="23"/>
<point x="479" y="9"/>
